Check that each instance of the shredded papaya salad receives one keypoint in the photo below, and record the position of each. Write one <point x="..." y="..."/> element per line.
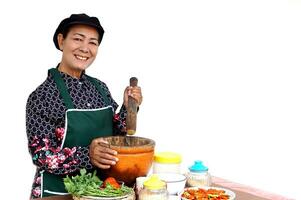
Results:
<point x="88" y="184"/>
<point x="203" y="194"/>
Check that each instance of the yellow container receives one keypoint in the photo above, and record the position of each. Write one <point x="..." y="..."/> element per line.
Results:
<point x="167" y="162"/>
<point x="153" y="189"/>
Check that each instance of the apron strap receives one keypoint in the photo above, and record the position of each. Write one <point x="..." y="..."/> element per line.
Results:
<point x="100" y="90"/>
<point x="64" y="91"/>
<point x="62" y="87"/>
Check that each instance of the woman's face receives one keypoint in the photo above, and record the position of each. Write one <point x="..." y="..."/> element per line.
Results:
<point x="79" y="48"/>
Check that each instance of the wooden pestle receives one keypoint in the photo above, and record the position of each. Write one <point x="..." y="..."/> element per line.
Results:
<point x="131" y="117"/>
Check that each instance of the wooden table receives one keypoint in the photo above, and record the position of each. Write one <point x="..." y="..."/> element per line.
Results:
<point x="65" y="197"/>
<point x="242" y="192"/>
<point x="239" y="196"/>
<point x="243" y="195"/>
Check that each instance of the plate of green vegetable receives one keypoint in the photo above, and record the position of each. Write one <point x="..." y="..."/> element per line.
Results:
<point x="89" y="186"/>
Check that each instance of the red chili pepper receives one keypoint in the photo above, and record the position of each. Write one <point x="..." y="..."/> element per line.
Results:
<point x="112" y="181"/>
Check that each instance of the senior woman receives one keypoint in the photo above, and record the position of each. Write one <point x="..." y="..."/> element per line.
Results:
<point x="67" y="115"/>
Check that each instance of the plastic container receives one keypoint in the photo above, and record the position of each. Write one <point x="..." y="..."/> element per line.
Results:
<point x="198" y="175"/>
<point x="139" y="183"/>
<point x="153" y="189"/>
<point x="167" y="162"/>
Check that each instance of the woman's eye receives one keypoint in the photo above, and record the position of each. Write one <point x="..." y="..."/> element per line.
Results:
<point x="94" y="43"/>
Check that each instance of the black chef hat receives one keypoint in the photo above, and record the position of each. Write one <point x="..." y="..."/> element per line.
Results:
<point x="78" y="19"/>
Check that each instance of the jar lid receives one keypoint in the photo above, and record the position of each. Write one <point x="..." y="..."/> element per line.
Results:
<point x="198" y="167"/>
<point x="154" y="183"/>
<point x="168" y="157"/>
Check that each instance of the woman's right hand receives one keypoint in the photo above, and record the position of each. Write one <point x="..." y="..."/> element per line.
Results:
<point x="101" y="155"/>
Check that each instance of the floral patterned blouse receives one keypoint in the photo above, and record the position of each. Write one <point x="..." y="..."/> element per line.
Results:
<point x="45" y="122"/>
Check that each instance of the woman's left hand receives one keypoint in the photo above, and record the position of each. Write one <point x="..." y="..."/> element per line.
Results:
<point x="134" y="92"/>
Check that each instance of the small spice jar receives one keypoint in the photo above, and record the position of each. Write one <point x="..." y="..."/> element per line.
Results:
<point x="153" y="189"/>
<point x="198" y="175"/>
<point x="167" y="162"/>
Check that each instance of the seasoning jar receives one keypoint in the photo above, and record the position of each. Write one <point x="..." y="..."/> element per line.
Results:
<point x="153" y="189"/>
<point x="167" y="162"/>
<point x="198" y="175"/>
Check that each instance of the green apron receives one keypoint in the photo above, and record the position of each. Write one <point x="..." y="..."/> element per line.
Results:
<point x="81" y="127"/>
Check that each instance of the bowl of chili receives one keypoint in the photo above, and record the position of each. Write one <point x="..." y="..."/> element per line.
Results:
<point x="210" y="193"/>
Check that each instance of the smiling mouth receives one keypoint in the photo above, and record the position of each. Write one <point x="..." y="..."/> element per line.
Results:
<point x="81" y="57"/>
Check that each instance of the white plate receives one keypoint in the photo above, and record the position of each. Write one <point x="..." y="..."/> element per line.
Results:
<point x="228" y="192"/>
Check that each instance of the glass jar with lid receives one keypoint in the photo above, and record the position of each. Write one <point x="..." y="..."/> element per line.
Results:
<point x="167" y="162"/>
<point x="198" y="175"/>
<point x="153" y="189"/>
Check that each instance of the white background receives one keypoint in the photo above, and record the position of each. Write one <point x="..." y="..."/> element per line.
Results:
<point x="221" y="81"/>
